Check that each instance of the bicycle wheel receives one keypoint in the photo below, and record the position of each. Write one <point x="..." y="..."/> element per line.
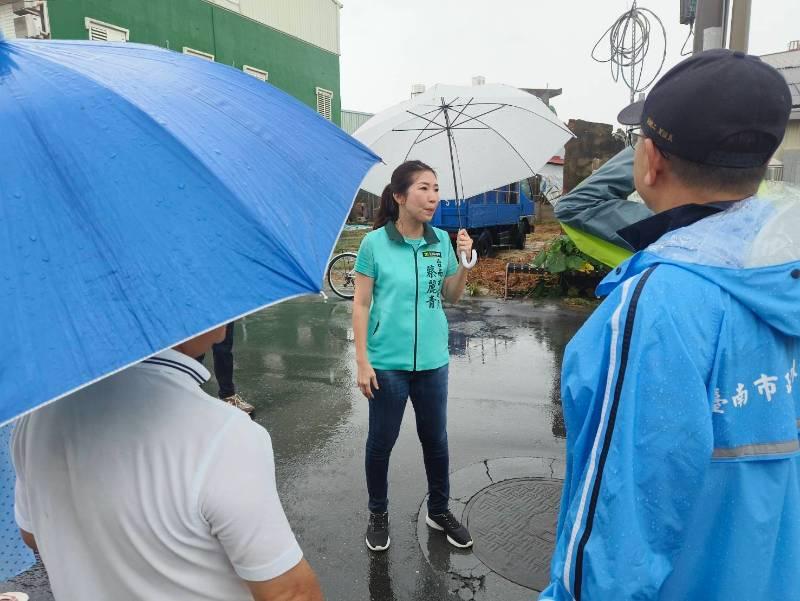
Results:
<point x="342" y="276"/>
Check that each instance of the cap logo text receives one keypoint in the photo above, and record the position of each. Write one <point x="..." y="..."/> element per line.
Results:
<point x="659" y="131"/>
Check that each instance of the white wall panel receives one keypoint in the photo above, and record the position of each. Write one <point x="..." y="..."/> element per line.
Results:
<point x="314" y="21"/>
<point x="255" y="9"/>
<point x="7" y="22"/>
<point x="791" y="140"/>
<point x="234" y="5"/>
<point x="791" y="166"/>
<point x="352" y="120"/>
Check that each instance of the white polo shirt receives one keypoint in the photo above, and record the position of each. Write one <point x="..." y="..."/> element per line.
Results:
<point x="143" y="487"/>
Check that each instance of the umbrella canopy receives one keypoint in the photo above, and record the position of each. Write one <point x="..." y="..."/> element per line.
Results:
<point x="146" y="197"/>
<point x="476" y="138"/>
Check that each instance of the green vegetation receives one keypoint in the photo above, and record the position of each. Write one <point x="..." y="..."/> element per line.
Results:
<point x="563" y="256"/>
<point x="350" y="240"/>
<point x="577" y="273"/>
<point x="473" y="289"/>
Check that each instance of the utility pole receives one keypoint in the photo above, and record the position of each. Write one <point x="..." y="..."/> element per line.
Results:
<point x="708" y="25"/>
<point x="722" y="24"/>
<point x="740" y="25"/>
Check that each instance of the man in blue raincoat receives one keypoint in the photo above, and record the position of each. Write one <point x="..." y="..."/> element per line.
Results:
<point x="680" y="393"/>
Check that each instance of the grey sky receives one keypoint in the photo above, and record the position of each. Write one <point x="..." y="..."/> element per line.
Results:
<point x="387" y="45"/>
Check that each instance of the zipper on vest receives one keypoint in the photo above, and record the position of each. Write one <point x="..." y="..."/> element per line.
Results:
<point x="416" y="305"/>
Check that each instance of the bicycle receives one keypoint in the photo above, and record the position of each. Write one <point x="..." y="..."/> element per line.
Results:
<point x="342" y="275"/>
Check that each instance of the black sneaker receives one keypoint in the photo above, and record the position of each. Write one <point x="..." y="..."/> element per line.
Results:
<point x="457" y="535"/>
<point x="378" y="532"/>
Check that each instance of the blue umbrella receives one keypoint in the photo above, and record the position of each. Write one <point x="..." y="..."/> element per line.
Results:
<point x="15" y="557"/>
<point x="146" y="197"/>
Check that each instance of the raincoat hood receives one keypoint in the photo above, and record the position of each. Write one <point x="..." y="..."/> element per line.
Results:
<point x="756" y="261"/>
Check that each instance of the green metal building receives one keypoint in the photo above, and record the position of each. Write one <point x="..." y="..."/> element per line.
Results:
<point x="293" y="44"/>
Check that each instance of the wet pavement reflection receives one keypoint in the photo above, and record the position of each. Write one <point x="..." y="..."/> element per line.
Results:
<point x="295" y="362"/>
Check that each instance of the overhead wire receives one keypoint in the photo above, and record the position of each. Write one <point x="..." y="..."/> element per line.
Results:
<point x="629" y="43"/>
<point x="686" y="41"/>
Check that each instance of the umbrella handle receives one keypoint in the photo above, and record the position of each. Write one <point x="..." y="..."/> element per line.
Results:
<point x="471" y="263"/>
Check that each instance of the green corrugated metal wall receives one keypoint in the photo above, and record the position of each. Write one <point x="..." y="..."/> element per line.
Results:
<point x="294" y="66"/>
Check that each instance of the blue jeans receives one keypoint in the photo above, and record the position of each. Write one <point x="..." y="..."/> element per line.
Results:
<point x="428" y="393"/>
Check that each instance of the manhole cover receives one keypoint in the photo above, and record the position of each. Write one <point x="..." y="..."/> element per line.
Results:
<point x="513" y="524"/>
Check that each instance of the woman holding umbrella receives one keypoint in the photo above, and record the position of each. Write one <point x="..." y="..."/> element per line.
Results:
<point x="403" y="270"/>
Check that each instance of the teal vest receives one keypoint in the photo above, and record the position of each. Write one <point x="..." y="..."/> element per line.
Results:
<point x="407" y="326"/>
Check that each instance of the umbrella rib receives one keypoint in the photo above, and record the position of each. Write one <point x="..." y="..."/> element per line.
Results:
<point x="461" y="112"/>
<point x="414" y="143"/>
<point x="458" y="156"/>
<point x="441" y="129"/>
<point x="522" y="108"/>
<point x="433" y="110"/>
<point x="497" y="108"/>
<point x="454" y="124"/>
<point x="460" y="174"/>
<point x="431" y="121"/>
<point x="433" y="135"/>
<point x="556" y="123"/>
<point x="444" y="128"/>
<point x="512" y="147"/>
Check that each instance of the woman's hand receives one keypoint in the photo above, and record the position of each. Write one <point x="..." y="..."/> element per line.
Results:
<point x="367" y="380"/>
<point x="463" y="243"/>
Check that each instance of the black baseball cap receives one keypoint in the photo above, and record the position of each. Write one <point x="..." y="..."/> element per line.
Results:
<point x="719" y="107"/>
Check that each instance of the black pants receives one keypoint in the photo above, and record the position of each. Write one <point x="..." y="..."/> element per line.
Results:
<point x="223" y="363"/>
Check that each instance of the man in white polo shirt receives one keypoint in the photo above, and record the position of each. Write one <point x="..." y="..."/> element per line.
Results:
<point x="141" y="486"/>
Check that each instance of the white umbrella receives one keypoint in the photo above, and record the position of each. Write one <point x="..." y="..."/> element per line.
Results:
<point x="476" y="138"/>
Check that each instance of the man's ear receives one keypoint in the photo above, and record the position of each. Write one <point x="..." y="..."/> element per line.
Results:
<point x="28" y="539"/>
<point x="655" y="163"/>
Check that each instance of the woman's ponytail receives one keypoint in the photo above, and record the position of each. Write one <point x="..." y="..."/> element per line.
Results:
<point x="389" y="210"/>
<point x="402" y="180"/>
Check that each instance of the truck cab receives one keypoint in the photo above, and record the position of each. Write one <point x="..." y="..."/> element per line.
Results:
<point x="500" y="217"/>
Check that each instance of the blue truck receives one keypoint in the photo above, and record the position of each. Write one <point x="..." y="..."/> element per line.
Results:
<point x="500" y="217"/>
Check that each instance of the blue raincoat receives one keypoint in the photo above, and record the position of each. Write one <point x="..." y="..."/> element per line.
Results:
<point x="681" y="402"/>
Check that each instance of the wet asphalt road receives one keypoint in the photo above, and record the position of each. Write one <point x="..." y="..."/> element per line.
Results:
<point x="295" y="362"/>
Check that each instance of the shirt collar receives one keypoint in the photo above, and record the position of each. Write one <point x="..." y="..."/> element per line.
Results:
<point x="177" y="364"/>
<point x="643" y="233"/>
<point x="395" y="235"/>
